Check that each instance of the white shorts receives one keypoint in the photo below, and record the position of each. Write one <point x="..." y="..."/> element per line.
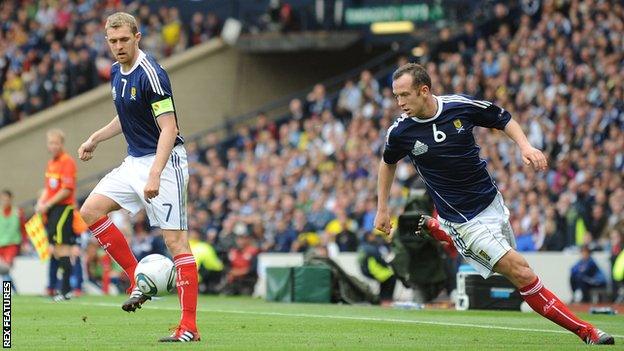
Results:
<point x="484" y="239"/>
<point x="125" y="185"/>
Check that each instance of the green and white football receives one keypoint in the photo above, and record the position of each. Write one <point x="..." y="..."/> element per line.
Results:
<point x="155" y="275"/>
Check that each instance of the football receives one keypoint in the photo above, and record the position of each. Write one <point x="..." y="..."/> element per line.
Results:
<point x="155" y="275"/>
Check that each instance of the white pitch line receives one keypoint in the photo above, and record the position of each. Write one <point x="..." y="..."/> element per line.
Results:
<point x="371" y="319"/>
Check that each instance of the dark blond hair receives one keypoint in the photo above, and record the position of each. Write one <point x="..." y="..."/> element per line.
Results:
<point x="56" y="133"/>
<point x="419" y="74"/>
<point x="119" y="19"/>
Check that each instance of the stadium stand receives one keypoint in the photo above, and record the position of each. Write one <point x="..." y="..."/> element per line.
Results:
<point x="308" y="177"/>
<point x="54" y="50"/>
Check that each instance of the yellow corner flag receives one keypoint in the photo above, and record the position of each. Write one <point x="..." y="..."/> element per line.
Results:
<point x="38" y="236"/>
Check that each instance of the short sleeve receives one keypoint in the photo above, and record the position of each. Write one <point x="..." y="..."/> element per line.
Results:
<point x="68" y="174"/>
<point x="157" y="90"/>
<point x="396" y="147"/>
<point x="488" y="115"/>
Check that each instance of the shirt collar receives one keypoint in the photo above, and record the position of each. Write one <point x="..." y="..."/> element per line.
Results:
<point x="437" y="114"/>
<point x="136" y="64"/>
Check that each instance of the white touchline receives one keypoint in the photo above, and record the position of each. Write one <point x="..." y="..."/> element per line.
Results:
<point x="371" y="319"/>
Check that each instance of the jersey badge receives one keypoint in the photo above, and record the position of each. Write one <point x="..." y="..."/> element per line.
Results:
<point x="458" y="126"/>
<point x="133" y="93"/>
<point x="419" y="148"/>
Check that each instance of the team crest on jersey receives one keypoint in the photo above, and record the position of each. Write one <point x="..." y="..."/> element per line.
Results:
<point x="114" y="93"/>
<point x="133" y="93"/>
<point x="458" y="125"/>
<point x="419" y="148"/>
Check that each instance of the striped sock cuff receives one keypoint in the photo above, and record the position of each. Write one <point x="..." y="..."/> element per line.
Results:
<point x="100" y="225"/>
<point x="183" y="259"/>
<point x="532" y="288"/>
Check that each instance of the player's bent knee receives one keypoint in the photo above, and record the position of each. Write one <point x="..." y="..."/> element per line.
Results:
<point x="176" y="241"/>
<point x="97" y="206"/>
<point x="88" y="214"/>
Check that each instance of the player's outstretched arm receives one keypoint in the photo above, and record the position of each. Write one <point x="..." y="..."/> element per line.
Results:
<point x="85" y="151"/>
<point x="530" y="155"/>
<point x="384" y="183"/>
<point x="166" y="141"/>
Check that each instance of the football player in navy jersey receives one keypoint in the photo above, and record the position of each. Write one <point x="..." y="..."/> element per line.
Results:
<point x="436" y="133"/>
<point x="153" y="176"/>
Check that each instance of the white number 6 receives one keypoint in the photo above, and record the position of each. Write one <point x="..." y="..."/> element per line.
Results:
<point x="438" y="135"/>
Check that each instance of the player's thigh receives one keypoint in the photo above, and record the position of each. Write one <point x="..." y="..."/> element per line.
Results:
<point x="481" y="243"/>
<point x="168" y="209"/>
<point x="116" y="190"/>
<point x="486" y="237"/>
<point x="97" y="206"/>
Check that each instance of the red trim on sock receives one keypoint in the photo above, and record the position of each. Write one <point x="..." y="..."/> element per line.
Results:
<point x="547" y="304"/>
<point x="112" y="240"/>
<point x="177" y="257"/>
<point x="530" y="286"/>
<point x="98" y="223"/>
<point x="187" y="283"/>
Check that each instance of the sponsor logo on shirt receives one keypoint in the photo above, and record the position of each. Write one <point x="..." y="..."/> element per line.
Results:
<point x="419" y="148"/>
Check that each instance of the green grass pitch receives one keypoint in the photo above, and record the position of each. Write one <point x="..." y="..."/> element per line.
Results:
<point x="98" y="323"/>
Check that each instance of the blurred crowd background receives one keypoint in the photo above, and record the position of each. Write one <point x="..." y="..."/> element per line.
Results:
<point x="307" y="179"/>
<point x="54" y="50"/>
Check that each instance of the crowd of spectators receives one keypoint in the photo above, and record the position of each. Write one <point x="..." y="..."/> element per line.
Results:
<point x="316" y="172"/>
<point x="311" y="179"/>
<point x="53" y="50"/>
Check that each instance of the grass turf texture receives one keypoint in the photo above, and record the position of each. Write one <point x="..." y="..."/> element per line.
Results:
<point x="98" y="323"/>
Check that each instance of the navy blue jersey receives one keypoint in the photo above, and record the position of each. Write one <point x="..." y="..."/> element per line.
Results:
<point x="140" y="96"/>
<point x="444" y="152"/>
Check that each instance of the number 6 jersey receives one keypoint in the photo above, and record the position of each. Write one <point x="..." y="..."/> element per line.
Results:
<point x="444" y="152"/>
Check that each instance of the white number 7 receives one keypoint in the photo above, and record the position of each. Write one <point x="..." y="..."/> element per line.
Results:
<point x="123" y="90"/>
<point x="438" y="135"/>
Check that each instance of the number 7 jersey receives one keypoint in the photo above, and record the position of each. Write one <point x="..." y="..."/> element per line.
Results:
<point x="141" y="95"/>
<point x="446" y="156"/>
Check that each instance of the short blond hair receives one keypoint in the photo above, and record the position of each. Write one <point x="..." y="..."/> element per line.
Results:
<point x="119" y="19"/>
<point x="56" y="133"/>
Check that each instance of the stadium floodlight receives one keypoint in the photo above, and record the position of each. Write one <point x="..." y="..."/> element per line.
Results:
<point x="396" y="27"/>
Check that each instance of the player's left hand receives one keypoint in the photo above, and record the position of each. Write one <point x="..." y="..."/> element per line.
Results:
<point x="41" y="208"/>
<point x="534" y="157"/>
<point x="151" y="187"/>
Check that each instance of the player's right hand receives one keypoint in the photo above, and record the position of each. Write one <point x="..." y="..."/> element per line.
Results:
<point x="534" y="157"/>
<point x="382" y="222"/>
<point x="85" y="151"/>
